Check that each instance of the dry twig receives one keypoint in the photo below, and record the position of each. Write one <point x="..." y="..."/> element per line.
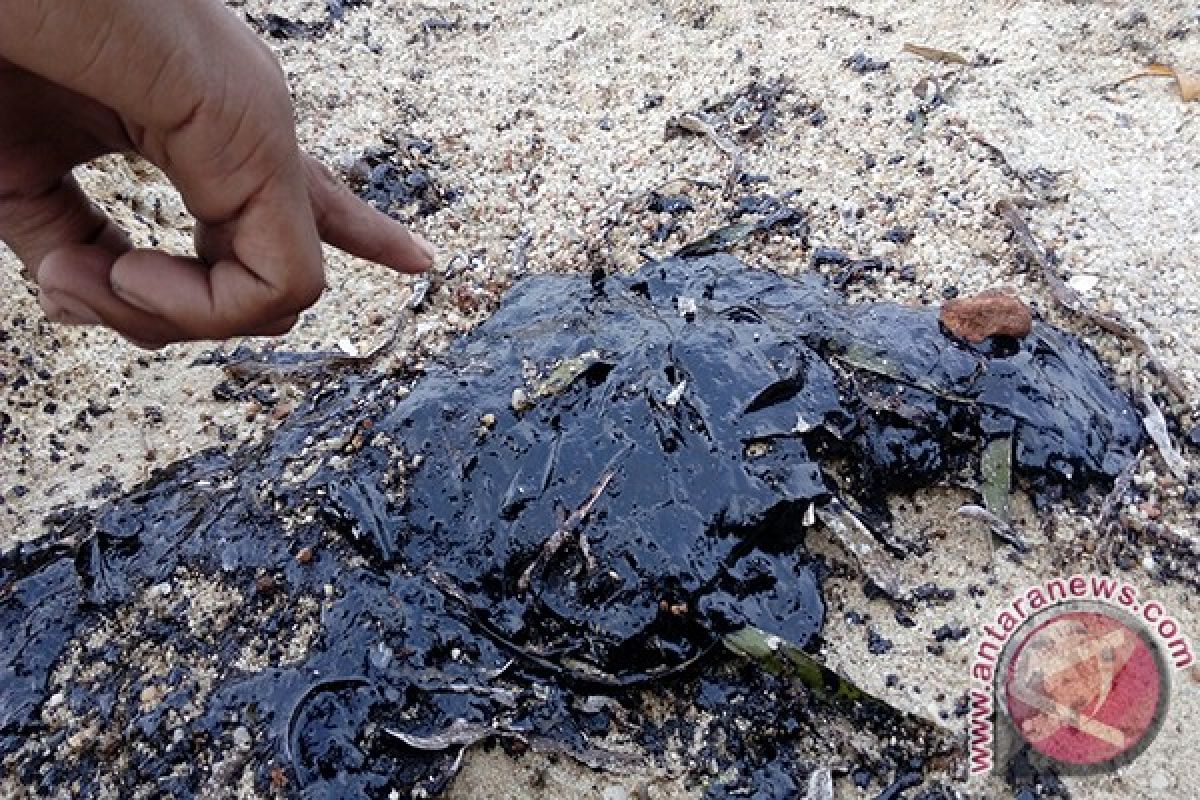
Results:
<point x="1071" y="301"/>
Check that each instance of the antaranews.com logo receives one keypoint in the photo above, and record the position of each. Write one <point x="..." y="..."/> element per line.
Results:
<point x="1076" y="670"/>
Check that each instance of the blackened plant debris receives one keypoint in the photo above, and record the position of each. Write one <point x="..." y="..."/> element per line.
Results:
<point x="337" y="8"/>
<point x="739" y="119"/>
<point x="249" y="369"/>
<point x="690" y="418"/>
<point x="863" y="63"/>
<point x="278" y="26"/>
<point x="751" y="112"/>
<point x="671" y="203"/>
<point x="399" y="175"/>
<point x="783" y="218"/>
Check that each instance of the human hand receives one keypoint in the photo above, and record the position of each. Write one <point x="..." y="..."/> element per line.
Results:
<point x="192" y="89"/>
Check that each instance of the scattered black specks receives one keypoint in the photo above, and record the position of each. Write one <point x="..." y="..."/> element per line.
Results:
<point x="440" y="25"/>
<point x="337" y="8"/>
<point x="899" y="235"/>
<point x="877" y="643"/>
<point x="951" y="631"/>
<point x="828" y="255"/>
<point x="752" y="110"/>
<point x="949" y="292"/>
<point x="902" y="784"/>
<point x="671" y="203"/>
<point x="1193" y="436"/>
<point x="785" y="220"/>
<point x="398" y="176"/>
<point x="1132" y="19"/>
<point x="280" y="27"/>
<point x="904" y="619"/>
<point x="652" y="100"/>
<point x="858" y="269"/>
<point x="1034" y="780"/>
<point x="756" y="204"/>
<point x="862" y="63"/>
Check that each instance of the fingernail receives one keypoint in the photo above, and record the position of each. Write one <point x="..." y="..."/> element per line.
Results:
<point x="425" y="247"/>
<point x="69" y="311"/>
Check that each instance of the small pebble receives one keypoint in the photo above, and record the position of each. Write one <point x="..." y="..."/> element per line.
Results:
<point x="1083" y="283"/>
<point x="242" y="738"/>
<point x="877" y="644"/>
<point x="990" y="313"/>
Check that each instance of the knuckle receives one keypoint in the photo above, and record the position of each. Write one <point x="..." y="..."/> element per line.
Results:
<point x="300" y="293"/>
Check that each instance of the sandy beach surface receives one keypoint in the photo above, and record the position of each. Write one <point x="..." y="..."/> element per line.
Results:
<point x="548" y="125"/>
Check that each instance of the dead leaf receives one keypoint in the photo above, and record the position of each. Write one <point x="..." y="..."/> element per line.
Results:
<point x="934" y="54"/>
<point x="1156" y="428"/>
<point x="1070" y="300"/>
<point x="820" y="784"/>
<point x="1187" y="82"/>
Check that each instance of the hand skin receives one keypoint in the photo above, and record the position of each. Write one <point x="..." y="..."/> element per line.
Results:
<point x="192" y="89"/>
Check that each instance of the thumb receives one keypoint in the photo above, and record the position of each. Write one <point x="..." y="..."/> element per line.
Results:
<point x="75" y="288"/>
<point x="38" y="222"/>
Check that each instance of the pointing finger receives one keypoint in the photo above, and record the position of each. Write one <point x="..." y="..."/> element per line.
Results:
<point x="349" y="224"/>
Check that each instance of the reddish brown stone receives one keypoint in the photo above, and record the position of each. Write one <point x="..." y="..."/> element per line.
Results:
<point x="991" y="313"/>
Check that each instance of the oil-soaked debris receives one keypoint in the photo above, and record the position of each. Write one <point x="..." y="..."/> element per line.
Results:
<point x="671" y="204"/>
<point x="778" y="217"/>
<point x="1030" y="778"/>
<point x="752" y="111"/>
<point x="739" y="119"/>
<point x="822" y="256"/>
<point x="398" y="176"/>
<point x="256" y="375"/>
<point x="337" y="8"/>
<point x="479" y="567"/>
<point x="278" y="26"/>
<point x="862" y="63"/>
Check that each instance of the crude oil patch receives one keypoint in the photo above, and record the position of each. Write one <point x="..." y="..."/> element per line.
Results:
<point x="582" y="499"/>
